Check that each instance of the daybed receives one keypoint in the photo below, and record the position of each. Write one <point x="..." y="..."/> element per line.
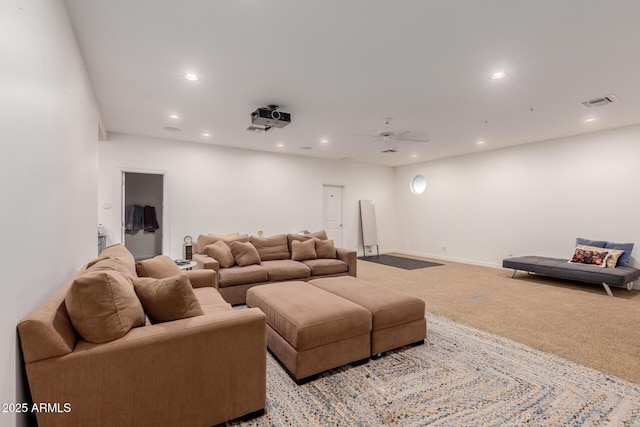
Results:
<point x="242" y="261"/>
<point x="91" y="349"/>
<point x="593" y="261"/>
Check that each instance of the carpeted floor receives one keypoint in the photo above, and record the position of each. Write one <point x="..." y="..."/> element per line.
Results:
<point x="578" y="322"/>
<point x="460" y="376"/>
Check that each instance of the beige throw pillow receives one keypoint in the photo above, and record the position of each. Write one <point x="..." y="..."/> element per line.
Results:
<point x="301" y="251"/>
<point x="271" y="248"/>
<point x="325" y="249"/>
<point x="158" y="267"/>
<point x="103" y="306"/>
<point x="244" y="253"/>
<point x="205" y="240"/>
<point x="612" y="258"/>
<point x="167" y="299"/>
<point x="221" y="252"/>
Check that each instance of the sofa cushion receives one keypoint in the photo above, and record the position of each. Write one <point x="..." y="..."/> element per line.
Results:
<point x="210" y="300"/>
<point x="626" y="247"/>
<point x="205" y="240"/>
<point x="285" y="269"/>
<point x="221" y="252"/>
<point x="244" y="254"/>
<point x="167" y="299"/>
<point x="158" y="267"/>
<point x="110" y="263"/>
<point x="242" y="275"/>
<point x="103" y="306"/>
<point x="225" y="236"/>
<point x="270" y="248"/>
<point x="120" y="251"/>
<point x="301" y="251"/>
<point x="325" y="249"/>
<point x="325" y="266"/>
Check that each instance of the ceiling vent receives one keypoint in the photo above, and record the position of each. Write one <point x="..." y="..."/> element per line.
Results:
<point x="599" y="102"/>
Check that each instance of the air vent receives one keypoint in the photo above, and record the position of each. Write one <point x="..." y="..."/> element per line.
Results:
<point x="599" y="102"/>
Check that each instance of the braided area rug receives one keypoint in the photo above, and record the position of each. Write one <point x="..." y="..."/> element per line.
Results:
<point x="461" y="376"/>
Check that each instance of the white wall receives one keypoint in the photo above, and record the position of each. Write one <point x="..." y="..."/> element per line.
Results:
<point x="532" y="199"/>
<point x="213" y="189"/>
<point x="48" y="169"/>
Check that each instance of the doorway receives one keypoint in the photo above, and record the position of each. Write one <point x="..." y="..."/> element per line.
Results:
<point x="143" y="213"/>
<point x="332" y="212"/>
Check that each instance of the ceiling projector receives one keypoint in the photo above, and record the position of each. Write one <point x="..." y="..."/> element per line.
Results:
<point x="270" y="117"/>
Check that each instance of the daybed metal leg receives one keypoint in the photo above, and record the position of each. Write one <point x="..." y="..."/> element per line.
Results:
<point x="629" y="286"/>
<point x="514" y="273"/>
<point x="607" y="288"/>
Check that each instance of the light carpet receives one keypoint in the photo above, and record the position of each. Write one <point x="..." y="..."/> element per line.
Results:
<point x="461" y="376"/>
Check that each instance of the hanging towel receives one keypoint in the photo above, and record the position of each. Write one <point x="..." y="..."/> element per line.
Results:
<point x="150" y="221"/>
<point x="133" y="219"/>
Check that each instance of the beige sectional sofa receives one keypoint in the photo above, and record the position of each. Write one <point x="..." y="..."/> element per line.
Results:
<point x="92" y="348"/>
<point x="242" y="261"/>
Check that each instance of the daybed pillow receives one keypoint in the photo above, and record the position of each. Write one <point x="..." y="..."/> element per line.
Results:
<point x="626" y="247"/>
<point x="271" y="248"/>
<point x="594" y="256"/>
<point x="103" y="306"/>
<point x="588" y="242"/>
<point x="167" y="299"/>
<point x="158" y="267"/>
<point x="301" y="251"/>
<point x="244" y="253"/>
<point x="325" y="249"/>
<point x="205" y="240"/>
<point x="221" y="252"/>
<point x="612" y="257"/>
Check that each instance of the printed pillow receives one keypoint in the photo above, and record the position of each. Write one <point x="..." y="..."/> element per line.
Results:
<point x="244" y="253"/>
<point x="325" y="249"/>
<point x="612" y="258"/>
<point x="301" y="251"/>
<point x="167" y="299"/>
<point x="595" y="256"/>
<point x="626" y="247"/>
<point x="103" y="306"/>
<point x="221" y="252"/>
<point x="158" y="267"/>
<point x="271" y="248"/>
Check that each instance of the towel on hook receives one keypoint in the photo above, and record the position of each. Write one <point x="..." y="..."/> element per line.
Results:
<point x="150" y="220"/>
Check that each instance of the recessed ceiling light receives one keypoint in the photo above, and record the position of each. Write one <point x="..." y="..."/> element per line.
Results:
<point x="480" y="142"/>
<point x="174" y="116"/>
<point x="414" y="155"/>
<point x="499" y="75"/>
<point x="206" y="134"/>
<point x="589" y="120"/>
<point x="280" y="145"/>
<point x="324" y="141"/>
<point x="191" y="77"/>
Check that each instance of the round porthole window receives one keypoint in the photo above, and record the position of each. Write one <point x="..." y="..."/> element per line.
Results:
<point x="419" y="184"/>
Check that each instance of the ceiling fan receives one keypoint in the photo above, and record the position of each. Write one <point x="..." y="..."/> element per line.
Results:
<point x="390" y="138"/>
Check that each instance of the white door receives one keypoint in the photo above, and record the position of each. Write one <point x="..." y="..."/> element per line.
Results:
<point x="332" y="213"/>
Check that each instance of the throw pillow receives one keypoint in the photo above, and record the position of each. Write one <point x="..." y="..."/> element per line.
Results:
<point x="322" y="235"/>
<point x="120" y="251"/>
<point x="271" y="248"/>
<point x="587" y="242"/>
<point x="244" y="253"/>
<point x="159" y="267"/>
<point x="301" y="251"/>
<point x="205" y="240"/>
<point x="612" y="258"/>
<point x="110" y="263"/>
<point x="221" y="252"/>
<point x="167" y="299"/>
<point x="595" y="256"/>
<point x="103" y="306"/>
<point x="325" y="249"/>
<point x="296" y="237"/>
<point x="626" y="247"/>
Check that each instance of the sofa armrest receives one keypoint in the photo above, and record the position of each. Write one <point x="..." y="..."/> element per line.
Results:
<point x="206" y="262"/>
<point x="350" y="257"/>
<point x="205" y="369"/>
<point x="203" y="278"/>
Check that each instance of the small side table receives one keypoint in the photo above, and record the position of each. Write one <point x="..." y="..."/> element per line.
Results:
<point x="187" y="266"/>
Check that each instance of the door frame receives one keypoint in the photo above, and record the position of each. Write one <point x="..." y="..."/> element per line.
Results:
<point x="342" y="216"/>
<point x="166" y="242"/>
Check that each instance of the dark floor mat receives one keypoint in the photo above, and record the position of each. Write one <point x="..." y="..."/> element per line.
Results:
<point x="400" y="262"/>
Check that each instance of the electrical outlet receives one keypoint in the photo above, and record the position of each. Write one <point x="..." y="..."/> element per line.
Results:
<point x="510" y="253"/>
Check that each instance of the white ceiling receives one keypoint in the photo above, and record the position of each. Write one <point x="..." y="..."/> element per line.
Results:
<point x="340" y="67"/>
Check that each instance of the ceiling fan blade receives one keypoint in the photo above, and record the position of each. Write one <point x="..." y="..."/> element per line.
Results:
<point x="411" y="140"/>
<point x="401" y="133"/>
<point x="368" y="136"/>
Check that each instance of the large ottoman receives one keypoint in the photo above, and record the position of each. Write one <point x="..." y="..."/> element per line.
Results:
<point x="310" y="330"/>
<point x="398" y="318"/>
